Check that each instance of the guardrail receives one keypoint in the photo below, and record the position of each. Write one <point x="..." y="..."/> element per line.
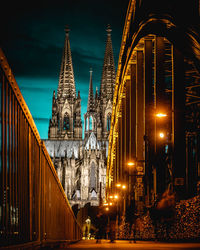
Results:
<point x="34" y="209"/>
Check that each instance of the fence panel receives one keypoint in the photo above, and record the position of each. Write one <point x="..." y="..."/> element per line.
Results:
<point x="33" y="206"/>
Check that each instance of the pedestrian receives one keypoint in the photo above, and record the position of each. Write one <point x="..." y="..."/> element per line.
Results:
<point x="131" y="219"/>
<point x="100" y="225"/>
<point x="112" y="230"/>
<point x="112" y="225"/>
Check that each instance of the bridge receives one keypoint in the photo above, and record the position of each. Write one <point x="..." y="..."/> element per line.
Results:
<point x="154" y="137"/>
<point x="157" y="90"/>
<point x="34" y="210"/>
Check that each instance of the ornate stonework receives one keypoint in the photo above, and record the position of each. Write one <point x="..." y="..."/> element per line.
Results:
<point x="81" y="163"/>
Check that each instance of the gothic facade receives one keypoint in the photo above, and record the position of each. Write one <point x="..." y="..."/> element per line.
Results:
<point x="81" y="162"/>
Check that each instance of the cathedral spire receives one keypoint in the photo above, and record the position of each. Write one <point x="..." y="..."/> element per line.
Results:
<point x="108" y="74"/>
<point x="66" y="86"/>
<point x="90" y="106"/>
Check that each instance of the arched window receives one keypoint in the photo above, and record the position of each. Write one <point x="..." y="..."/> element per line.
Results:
<point x="92" y="177"/>
<point x="66" y="122"/>
<point x="108" y="121"/>
<point x="90" y="123"/>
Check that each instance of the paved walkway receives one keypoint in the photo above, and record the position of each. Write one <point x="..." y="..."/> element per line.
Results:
<point x="139" y="245"/>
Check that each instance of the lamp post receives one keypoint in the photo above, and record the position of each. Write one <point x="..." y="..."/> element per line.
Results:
<point x="132" y="166"/>
<point x="161" y="135"/>
<point x="121" y="187"/>
<point x="111" y="206"/>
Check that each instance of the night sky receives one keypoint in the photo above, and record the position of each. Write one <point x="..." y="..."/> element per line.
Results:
<point x="32" y="38"/>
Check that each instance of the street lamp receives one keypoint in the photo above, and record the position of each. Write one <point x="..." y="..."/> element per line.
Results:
<point x="161" y="135"/>
<point x="160" y="141"/>
<point x="116" y="196"/>
<point x="131" y="208"/>
<point x="131" y="163"/>
<point x="123" y="186"/>
<point x="118" y="185"/>
<point x="160" y="115"/>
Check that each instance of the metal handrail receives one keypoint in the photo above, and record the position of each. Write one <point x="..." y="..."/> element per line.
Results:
<point x="34" y="209"/>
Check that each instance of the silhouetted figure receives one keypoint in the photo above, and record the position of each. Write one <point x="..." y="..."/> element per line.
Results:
<point x="100" y="225"/>
<point x="112" y="225"/>
<point x="131" y="219"/>
<point x="112" y="230"/>
<point x="162" y="212"/>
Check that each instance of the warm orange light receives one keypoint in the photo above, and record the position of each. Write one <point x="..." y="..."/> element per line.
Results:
<point x="123" y="186"/>
<point x="110" y="203"/>
<point x="162" y="135"/>
<point x="107" y="208"/>
<point x="118" y="185"/>
<point x="111" y="196"/>
<point x="161" y="115"/>
<point x="116" y="196"/>
<point x="105" y="204"/>
<point x="130" y="164"/>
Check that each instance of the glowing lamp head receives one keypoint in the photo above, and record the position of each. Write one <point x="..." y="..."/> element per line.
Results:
<point x="118" y="185"/>
<point x="161" y="135"/>
<point x="116" y="196"/>
<point x="123" y="186"/>
<point x="111" y="196"/>
<point x="161" y="115"/>
<point x="131" y="164"/>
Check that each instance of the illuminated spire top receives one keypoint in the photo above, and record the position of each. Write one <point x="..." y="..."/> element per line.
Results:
<point x="108" y="74"/>
<point x="90" y="106"/>
<point x="66" y="86"/>
<point x="67" y="30"/>
<point x="108" y="29"/>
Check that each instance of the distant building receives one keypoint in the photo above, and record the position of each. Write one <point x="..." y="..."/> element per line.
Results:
<point x="81" y="163"/>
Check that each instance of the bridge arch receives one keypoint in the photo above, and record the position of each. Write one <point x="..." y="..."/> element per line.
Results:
<point x="159" y="60"/>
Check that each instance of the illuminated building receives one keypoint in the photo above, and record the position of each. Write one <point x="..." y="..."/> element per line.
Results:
<point x="81" y="163"/>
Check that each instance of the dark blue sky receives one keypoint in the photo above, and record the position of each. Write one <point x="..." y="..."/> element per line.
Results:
<point x="32" y="38"/>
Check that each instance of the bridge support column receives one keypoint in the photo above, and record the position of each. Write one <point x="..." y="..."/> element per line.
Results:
<point x="159" y="106"/>
<point x="149" y="110"/>
<point x="140" y="130"/>
<point x="178" y="123"/>
<point x="133" y="112"/>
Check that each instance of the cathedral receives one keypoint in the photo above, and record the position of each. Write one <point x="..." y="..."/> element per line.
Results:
<point x="81" y="162"/>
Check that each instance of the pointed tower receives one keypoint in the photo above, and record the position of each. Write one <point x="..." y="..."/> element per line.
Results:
<point x="66" y="86"/>
<point x="108" y="73"/>
<point x="90" y="106"/>
<point x="107" y="86"/>
<point x="90" y="115"/>
<point x="66" y="121"/>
